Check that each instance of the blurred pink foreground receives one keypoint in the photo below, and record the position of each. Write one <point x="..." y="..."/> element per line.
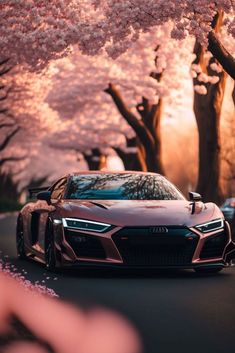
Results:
<point x="65" y="328"/>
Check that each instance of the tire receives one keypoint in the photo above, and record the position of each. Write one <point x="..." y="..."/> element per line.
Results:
<point x="208" y="270"/>
<point x="49" y="249"/>
<point x="20" y="248"/>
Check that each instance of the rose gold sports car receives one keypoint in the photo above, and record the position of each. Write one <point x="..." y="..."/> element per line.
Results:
<point x="122" y="220"/>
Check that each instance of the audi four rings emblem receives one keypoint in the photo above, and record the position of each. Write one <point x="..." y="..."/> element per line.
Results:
<point x="158" y="230"/>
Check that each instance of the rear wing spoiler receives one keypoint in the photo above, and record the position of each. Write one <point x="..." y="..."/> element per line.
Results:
<point x="34" y="191"/>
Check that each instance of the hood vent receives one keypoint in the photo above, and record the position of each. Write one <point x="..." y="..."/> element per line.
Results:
<point x="99" y="205"/>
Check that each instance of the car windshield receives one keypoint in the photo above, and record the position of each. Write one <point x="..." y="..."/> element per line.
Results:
<point x="122" y="187"/>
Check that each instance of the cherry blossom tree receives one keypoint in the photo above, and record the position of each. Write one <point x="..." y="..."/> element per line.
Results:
<point x="228" y="141"/>
<point x="44" y="30"/>
<point x="137" y="87"/>
<point x="37" y="32"/>
<point x="209" y="83"/>
<point x="27" y="119"/>
<point x="9" y="128"/>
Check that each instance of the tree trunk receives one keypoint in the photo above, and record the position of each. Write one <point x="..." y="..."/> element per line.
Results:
<point x="233" y="94"/>
<point x="96" y="160"/>
<point x="132" y="160"/>
<point x="147" y="129"/>
<point x="152" y="119"/>
<point x="8" y="188"/>
<point x="207" y="109"/>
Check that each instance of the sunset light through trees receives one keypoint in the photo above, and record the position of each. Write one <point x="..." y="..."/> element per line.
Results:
<point x="93" y="80"/>
<point x="117" y="154"/>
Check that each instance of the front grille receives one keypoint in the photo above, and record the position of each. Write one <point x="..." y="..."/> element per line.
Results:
<point x="85" y="245"/>
<point x="140" y="247"/>
<point x="214" y="246"/>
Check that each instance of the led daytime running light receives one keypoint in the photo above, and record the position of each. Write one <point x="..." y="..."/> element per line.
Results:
<point x="210" y="226"/>
<point x="82" y="224"/>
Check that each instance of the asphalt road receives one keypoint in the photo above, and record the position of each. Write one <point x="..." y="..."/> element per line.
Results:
<point x="173" y="311"/>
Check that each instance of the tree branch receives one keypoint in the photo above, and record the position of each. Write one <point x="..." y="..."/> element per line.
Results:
<point x="8" y="138"/>
<point x="4" y="61"/>
<point x="226" y="60"/>
<point x="3" y="125"/>
<point x="137" y="125"/>
<point x="5" y="71"/>
<point x="3" y="111"/>
<point x="11" y="159"/>
<point x="5" y="94"/>
<point x="143" y="108"/>
<point x="4" y="97"/>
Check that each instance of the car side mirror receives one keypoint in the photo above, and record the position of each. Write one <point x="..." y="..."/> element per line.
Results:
<point x="45" y="196"/>
<point x="194" y="196"/>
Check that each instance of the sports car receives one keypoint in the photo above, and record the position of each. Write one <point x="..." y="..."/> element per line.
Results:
<point x="228" y="209"/>
<point x="122" y="220"/>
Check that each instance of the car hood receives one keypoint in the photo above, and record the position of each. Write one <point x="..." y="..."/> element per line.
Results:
<point x="138" y="212"/>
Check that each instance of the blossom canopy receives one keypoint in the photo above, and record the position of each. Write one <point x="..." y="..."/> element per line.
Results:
<point x="35" y="32"/>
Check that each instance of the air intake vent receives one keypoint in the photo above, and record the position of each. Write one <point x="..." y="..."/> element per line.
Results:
<point x="85" y="245"/>
<point x="214" y="246"/>
<point x="141" y="247"/>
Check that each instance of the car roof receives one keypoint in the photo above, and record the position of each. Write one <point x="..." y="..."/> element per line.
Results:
<point x="89" y="172"/>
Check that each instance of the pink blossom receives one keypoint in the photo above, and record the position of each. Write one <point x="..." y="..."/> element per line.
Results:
<point x="200" y="89"/>
<point x="52" y="27"/>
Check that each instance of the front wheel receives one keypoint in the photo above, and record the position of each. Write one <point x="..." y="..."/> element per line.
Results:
<point x="50" y="251"/>
<point x="20" y="249"/>
<point x="208" y="270"/>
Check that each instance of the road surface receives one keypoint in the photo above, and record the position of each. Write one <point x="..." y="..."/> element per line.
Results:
<point x="173" y="311"/>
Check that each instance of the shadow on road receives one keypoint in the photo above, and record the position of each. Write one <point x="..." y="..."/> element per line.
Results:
<point x="161" y="274"/>
<point x="117" y="273"/>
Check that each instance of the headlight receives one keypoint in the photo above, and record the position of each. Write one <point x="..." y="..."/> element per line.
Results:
<point x="57" y="221"/>
<point x="210" y="226"/>
<point x="83" y="224"/>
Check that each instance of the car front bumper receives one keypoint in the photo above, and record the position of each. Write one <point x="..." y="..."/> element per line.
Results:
<point x="129" y="247"/>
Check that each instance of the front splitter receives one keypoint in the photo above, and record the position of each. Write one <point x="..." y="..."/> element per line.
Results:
<point x="96" y="265"/>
